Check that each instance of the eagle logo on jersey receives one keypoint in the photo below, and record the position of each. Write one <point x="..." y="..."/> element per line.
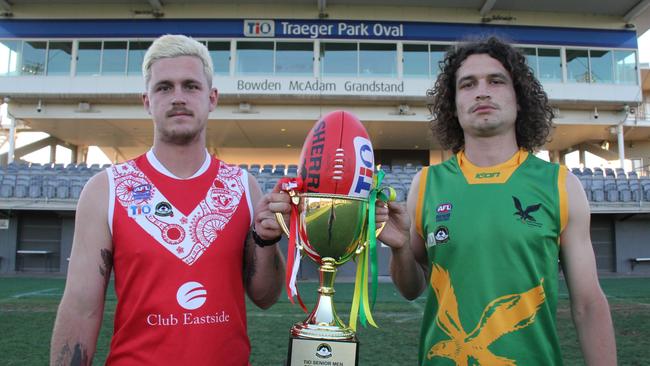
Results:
<point x="525" y="215"/>
<point x="501" y="316"/>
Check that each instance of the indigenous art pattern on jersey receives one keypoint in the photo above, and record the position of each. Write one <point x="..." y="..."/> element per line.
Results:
<point x="187" y="237"/>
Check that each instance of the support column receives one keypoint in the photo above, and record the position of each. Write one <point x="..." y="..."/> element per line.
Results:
<point x="582" y="154"/>
<point x="73" y="154"/>
<point x="621" y="145"/>
<point x="53" y="153"/>
<point x="12" y="139"/>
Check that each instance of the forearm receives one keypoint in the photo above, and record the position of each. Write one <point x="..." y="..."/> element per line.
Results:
<point x="74" y="337"/>
<point x="595" y="331"/>
<point x="264" y="274"/>
<point x="407" y="274"/>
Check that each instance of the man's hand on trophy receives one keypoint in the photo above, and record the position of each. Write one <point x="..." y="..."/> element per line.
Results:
<point x="276" y="201"/>
<point x="397" y="223"/>
<point x="266" y="224"/>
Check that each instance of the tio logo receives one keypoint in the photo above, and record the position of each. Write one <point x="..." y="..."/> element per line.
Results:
<point x="259" y="28"/>
<point x="191" y="295"/>
<point x="136" y="210"/>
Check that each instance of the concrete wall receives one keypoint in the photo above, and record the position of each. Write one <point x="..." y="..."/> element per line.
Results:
<point x="632" y="237"/>
<point x="8" y="244"/>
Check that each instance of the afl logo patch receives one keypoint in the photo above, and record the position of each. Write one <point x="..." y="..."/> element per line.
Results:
<point x="191" y="295"/>
<point x="164" y="209"/>
<point x="443" y="211"/>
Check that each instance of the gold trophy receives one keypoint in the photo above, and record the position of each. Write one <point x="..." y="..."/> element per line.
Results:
<point x="332" y="202"/>
<point x="334" y="230"/>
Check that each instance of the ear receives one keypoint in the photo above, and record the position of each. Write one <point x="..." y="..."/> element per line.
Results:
<point x="146" y="103"/>
<point x="214" y="97"/>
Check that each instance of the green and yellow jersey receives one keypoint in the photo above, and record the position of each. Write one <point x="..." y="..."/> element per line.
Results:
<point x="492" y="240"/>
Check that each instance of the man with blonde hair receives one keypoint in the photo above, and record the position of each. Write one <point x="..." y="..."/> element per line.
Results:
<point x="180" y="232"/>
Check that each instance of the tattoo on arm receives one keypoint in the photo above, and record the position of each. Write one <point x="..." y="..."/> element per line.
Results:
<point x="78" y="357"/>
<point x="107" y="265"/>
<point x="250" y="259"/>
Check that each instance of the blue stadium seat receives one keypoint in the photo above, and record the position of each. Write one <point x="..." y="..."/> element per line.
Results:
<point x="6" y="190"/>
<point x="624" y="195"/>
<point x="585" y="180"/>
<point x="597" y="195"/>
<point x="20" y="190"/>
<point x="279" y="170"/>
<point x="292" y="170"/>
<point x="598" y="172"/>
<point x="609" y="172"/>
<point x="267" y="169"/>
<point x="49" y="191"/>
<point x="620" y="173"/>
<point x="576" y="172"/>
<point x="243" y="166"/>
<point x="75" y="191"/>
<point x="62" y="192"/>
<point x="610" y="183"/>
<point x="587" y="171"/>
<point x="34" y="191"/>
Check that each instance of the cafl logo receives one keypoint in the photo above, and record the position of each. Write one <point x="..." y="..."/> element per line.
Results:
<point x="364" y="165"/>
<point x="259" y="28"/>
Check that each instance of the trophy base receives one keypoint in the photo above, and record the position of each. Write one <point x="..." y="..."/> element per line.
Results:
<point x="311" y="351"/>
<point x="329" y="332"/>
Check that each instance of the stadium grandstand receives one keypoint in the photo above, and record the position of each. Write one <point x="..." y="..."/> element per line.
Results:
<point x="72" y="70"/>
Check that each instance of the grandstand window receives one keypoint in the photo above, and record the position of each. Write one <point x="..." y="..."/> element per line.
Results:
<point x="531" y="58"/>
<point x="338" y="59"/>
<point x="59" y="56"/>
<point x="220" y="54"/>
<point x="415" y="58"/>
<point x="577" y="64"/>
<point x="114" y="58"/>
<point x="89" y="58"/>
<point x="625" y="70"/>
<point x="549" y="64"/>
<point x="33" y="58"/>
<point x="602" y="66"/>
<point x="9" y="58"/>
<point x="378" y="59"/>
<point x="137" y="49"/>
<point x="437" y="52"/>
<point x="254" y="58"/>
<point x="294" y="58"/>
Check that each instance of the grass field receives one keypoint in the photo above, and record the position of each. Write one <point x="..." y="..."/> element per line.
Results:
<point x="28" y="307"/>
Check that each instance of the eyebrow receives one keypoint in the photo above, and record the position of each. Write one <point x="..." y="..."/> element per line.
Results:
<point x="184" y="82"/>
<point x="490" y="76"/>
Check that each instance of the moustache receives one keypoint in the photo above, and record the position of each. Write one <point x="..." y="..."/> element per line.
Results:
<point x="179" y="111"/>
<point x="476" y="106"/>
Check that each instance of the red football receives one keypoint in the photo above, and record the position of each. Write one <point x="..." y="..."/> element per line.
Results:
<point x="337" y="157"/>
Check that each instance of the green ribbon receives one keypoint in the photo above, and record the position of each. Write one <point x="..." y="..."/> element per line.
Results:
<point x="360" y="298"/>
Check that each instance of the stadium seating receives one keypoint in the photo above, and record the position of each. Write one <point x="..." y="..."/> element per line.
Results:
<point x="59" y="182"/>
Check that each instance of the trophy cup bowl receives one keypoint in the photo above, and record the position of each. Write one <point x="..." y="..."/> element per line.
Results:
<point x="332" y="229"/>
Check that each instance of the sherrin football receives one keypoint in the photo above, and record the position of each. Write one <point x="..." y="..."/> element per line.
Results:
<point x="337" y="157"/>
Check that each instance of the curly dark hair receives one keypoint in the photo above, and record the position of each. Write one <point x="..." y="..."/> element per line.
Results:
<point x="535" y="119"/>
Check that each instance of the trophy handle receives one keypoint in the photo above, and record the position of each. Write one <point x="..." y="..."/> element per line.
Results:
<point x="386" y="194"/>
<point x="295" y="199"/>
<point x="283" y="225"/>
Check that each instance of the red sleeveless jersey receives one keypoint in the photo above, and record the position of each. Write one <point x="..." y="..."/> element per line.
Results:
<point x="178" y="247"/>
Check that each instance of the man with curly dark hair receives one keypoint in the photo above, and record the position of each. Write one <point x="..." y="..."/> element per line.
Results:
<point x="483" y="231"/>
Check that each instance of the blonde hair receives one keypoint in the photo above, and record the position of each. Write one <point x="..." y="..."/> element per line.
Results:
<point x="175" y="45"/>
